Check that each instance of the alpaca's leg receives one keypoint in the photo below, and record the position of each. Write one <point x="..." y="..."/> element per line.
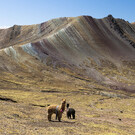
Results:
<point x="67" y="115"/>
<point x="56" y="116"/>
<point x="70" y="115"/>
<point x="49" y="116"/>
<point x="59" y="116"/>
<point x="73" y="115"/>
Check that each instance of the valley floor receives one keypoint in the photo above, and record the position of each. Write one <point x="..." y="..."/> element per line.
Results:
<point x="24" y="113"/>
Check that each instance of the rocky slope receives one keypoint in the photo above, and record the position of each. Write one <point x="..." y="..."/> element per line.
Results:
<point x="69" y="53"/>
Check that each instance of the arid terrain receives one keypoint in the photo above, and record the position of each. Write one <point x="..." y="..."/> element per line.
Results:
<point x="89" y="62"/>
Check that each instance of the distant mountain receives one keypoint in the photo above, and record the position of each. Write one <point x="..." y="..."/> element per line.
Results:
<point x="69" y="53"/>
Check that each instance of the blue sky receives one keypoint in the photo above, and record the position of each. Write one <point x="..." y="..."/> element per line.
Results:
<point x="26" y="12"/>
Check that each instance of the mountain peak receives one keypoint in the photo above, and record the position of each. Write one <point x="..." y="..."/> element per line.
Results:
<point x="82" y="47"/>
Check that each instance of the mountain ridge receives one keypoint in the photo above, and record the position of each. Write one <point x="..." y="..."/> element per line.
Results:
<point x="93" y="50"/>
<point x="16" y="29"/>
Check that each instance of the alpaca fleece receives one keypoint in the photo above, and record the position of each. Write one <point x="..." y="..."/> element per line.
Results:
<point x="56" y="109"/>
<point x="70" y="112"/>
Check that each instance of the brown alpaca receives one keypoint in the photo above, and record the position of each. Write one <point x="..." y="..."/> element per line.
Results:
<point x="56" y="109"/>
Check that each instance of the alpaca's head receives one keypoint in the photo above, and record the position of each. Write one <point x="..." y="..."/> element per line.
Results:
<point x="67" y="105"/>
<point x="63" y="101"/>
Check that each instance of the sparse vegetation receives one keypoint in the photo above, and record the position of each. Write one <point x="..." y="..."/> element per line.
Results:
<point x="95" y="114"/>
<point x="87" y="61"/>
